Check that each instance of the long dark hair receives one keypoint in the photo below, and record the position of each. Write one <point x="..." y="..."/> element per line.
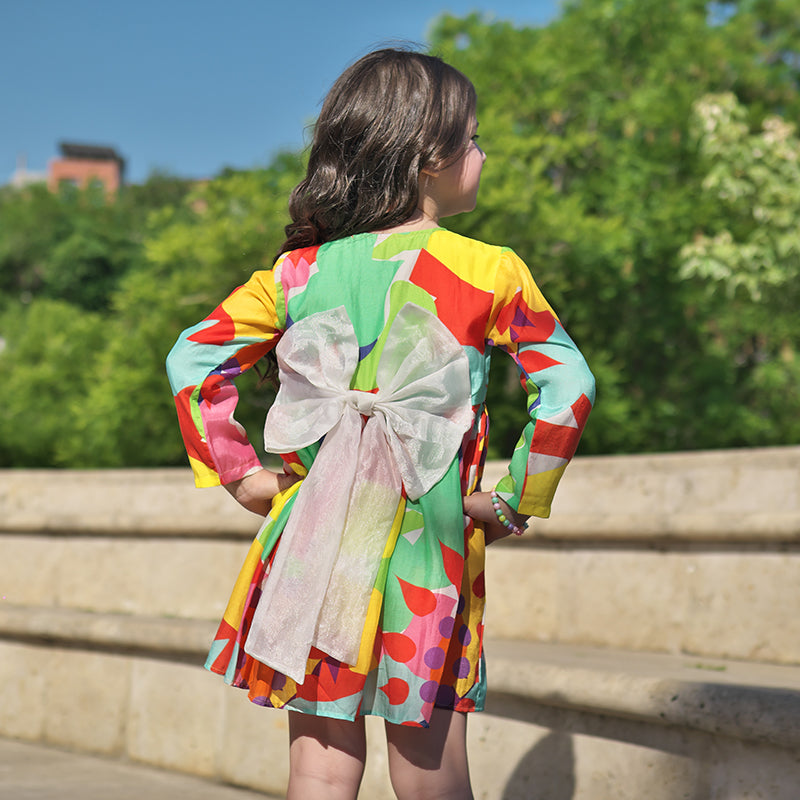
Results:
<point x="388" y="116"/>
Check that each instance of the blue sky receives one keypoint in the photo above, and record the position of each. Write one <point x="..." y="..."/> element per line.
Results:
<point x="191" y="86"/>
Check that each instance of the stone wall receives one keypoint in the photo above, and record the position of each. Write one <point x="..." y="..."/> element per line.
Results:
<point x="644" y="641"/>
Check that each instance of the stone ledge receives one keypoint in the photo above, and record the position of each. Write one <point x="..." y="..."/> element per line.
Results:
<point x="746" y="701"/>
<point x="119" y="502"/>
<point x="743" y="700"/>
<point x="730" y="496"/>
<point x="123" y="633"/>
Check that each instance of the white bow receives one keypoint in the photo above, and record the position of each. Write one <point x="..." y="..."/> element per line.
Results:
<point x="318" y="588"/>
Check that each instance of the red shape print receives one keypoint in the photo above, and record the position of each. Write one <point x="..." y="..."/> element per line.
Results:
<point x="581" y="408"/>
<point x="396" y="690"/>
<point x="554" y="440"/>
<point x="221" y="331"/>
<point x="399" y="646"/>
<point x="479" y="585"/>
<point x="329" y="680"/>
<point x="420" y="601"/>
<point x="462" y="307"/>
<point x="533" y="361"/>
<point x="453" y="564"/>
<point x="519" y="317"/>
<point x="195" y="445"/>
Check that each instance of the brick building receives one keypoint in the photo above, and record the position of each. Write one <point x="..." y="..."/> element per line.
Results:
<point x="83" y="164"/>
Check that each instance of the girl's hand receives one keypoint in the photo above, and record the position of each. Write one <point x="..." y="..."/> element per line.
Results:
<point x="479" y="507"/>
<point x="255" y="492"/>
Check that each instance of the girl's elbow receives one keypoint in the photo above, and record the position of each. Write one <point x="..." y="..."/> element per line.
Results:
<point x="175" y="362"/>
<point x="583" y="380"/>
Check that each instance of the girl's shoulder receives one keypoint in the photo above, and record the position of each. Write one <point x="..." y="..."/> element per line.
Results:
<point x="406" y="239"/>
<point x="458" y="243"/>
<point x="466" y="257"/>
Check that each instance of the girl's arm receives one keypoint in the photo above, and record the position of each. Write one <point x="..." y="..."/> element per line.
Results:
<point x="478" y="505"/>
<point x="201" y="368"/>
<point x="559" y="386"/>
<point x="255" y="491"/>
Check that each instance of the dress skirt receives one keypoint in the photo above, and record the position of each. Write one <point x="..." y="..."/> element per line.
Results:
<point x="422" y="645"/>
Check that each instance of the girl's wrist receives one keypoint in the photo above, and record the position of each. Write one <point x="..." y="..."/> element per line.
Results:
<point x="507" y="517"/>
<point x="286" y="480"/>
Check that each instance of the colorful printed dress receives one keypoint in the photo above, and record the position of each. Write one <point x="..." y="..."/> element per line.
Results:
<point x="421" y="645"/>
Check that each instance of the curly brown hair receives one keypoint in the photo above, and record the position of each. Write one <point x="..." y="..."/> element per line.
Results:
<point x="388" y="116"/>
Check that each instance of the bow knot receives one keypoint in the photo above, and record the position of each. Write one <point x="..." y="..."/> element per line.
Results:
<point x="363" y="402"/>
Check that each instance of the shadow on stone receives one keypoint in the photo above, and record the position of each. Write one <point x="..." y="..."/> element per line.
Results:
<point x="545" y="772"/>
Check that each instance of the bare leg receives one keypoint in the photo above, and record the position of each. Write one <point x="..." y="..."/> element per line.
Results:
<point x="326" y="757"/>
<point x="430" y="763"/>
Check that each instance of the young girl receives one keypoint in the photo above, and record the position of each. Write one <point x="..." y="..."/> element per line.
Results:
<point x="363" y="592"/>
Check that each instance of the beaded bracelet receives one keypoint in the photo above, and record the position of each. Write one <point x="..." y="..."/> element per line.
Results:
<point x="515" y="529"/>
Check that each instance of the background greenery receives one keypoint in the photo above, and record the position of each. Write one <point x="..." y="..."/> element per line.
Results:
<point x="642" y="159"/>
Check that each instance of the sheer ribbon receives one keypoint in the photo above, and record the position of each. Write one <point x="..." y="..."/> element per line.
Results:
<point x="406" y="434"/>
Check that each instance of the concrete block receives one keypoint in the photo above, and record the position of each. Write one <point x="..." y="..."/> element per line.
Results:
<point x="22" y="688"/>
<point x="175" y="717"/>
<point x="577" y="757"/>
<point x="28" y="568"/>
<point x="253" y="743"/>
<point x="720" y="604"/>
<point x="741" y="771"/>
<point x="118" y="501"/>
<point x="525" y="751"/>
<point x="86" y="700"/>
<point x="153" y="577"/>
<point x="376" y="784"/>
<point x="743" y="495"/>
<point x="35" y="772"/>
<point x="628" y="599"/>
<point x="522" y="594"/>
<point x="506" y="765"/>
<point x="743" y="605"/>
<point x="606" y="767"/>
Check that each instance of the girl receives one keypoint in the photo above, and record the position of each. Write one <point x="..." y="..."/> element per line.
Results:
<point x="363" y="592"/>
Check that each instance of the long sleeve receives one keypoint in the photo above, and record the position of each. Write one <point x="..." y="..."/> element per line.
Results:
<point x="201" y="368"/>
<point x="559" y="386"/>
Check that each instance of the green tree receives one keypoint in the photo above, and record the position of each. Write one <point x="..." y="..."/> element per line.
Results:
<point x="74" y="245"/>
<point x="234" y="226"/>
<point x="32" y="223"/>
<point x="593" y="176"/>
<point x="46" y="351"/>
<point x="666" y="246"/>
<point x="748" y="262"/>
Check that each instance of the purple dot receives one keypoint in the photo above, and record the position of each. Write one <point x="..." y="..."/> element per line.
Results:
<point x="278" y="681"/>
<point x="462" y="602"/>
<point x="464" y="636"/>
<point x="461" y="668"/>
<point x="446" y="626"/>
<point x="428" y="691"/>
<point x="434" y="657"/>
<point x="446" y="696"/>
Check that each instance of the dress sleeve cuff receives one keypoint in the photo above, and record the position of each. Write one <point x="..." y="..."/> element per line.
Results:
<point x="239" y="471"/>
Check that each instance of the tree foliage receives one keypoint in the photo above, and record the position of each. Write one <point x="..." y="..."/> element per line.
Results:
<point x="595" y="177"/>
<point x="190" y="264"/>
<point x="641" y="159"/>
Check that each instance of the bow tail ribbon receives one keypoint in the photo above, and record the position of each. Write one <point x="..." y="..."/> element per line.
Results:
<point x="318" y="588"/>
<point x="377" y="492"/>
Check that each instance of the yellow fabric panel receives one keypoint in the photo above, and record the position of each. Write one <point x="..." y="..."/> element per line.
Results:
<point x="204" y="476"/>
